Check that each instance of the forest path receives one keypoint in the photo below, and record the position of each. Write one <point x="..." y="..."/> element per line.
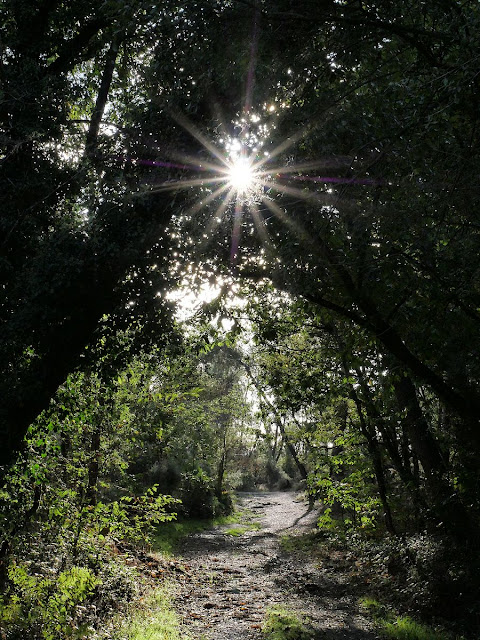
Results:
<point x="231" y="581"/>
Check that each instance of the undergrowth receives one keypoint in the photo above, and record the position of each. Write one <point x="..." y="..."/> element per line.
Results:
<point x="309" y="542"/>
<point x="282" y="624"/>
<point x="155" y="619"/>
<point x="169" y="535"/>
<point x="396" y="627"/>
<point x="422" y="577"/>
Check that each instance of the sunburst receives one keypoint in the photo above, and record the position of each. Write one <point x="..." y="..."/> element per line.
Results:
<point x="241" y="176"/>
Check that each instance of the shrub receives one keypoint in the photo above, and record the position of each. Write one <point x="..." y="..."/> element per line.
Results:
<point x="47" y="607"/>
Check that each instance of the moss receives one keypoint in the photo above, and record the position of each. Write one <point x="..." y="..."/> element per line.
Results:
<point x="155" y="620"/>
<point x="401" y="627"/>
<point x="283" y="624"/>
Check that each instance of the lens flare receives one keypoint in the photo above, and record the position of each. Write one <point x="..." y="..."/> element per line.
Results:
<point x="241" y="175"/>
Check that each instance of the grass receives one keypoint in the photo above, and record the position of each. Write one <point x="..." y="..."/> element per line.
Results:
<point x="170" y="534"/>
<point x="242" y="528"/>
<point x="283" y="624"/>
<point x="404" y="628"/>
<point x="401" y="627"/>
<point x="235" y="531"/>
<point x="156" y="620"/>
<point x="308" y="542"/>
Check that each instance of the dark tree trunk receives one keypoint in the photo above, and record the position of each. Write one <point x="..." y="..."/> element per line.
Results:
<point x="221" y="465"/>
<point x="446" y="506"/>
<point x="86" y="291"/>
<point x="101" y="102"/>
<point x="291" y="449"/>
<point x="376" y="456"/>
<point x="465" y="403"/>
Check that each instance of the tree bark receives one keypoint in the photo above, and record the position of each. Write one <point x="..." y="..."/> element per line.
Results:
<point x="466" y="405"/>
<point x="377" y="463"/>
<point x="101" y="101"/>
<point x="450" y="513"/>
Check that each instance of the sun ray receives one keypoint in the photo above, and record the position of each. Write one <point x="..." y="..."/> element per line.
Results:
<point x="183" y="184"/>
<point x="205" y="142"/>
<point x="196" y="164"/>
<point x="324" y="163"/>
<point x="260" y="226"/>
<point x="203" y="203"/>
<point x="236" y="233"/>
<point x="283" y="146"/>
<point x="283" y="217"/>
<point x="324" y="199"/>
<point x="216" y="218"/>
<point x="241" y="181"/>
<point x="338" y="180"/>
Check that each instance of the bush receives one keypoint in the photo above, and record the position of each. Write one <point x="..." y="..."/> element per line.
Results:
<point x="197" y="495"/>
<point x="47" y="607"/>
<point x="428" y="575"/>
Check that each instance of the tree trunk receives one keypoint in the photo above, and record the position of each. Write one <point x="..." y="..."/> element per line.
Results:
<point x="376" y="457"/>
<point x="101" y="102"/>
<point x="221" y="465"/>
<point x="444" y="501"/>
<point x="465" y="404"/>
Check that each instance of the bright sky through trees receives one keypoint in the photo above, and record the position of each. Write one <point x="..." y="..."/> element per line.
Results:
<point x="305" y="176"/>
<point x="241" y="175"/>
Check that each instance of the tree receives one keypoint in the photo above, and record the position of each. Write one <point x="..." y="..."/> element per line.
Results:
<point x="80" y="238"/>
<point x="386" y="239"/>
<point x="335" y="385"/>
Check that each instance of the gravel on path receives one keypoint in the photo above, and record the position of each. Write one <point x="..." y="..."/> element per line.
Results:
<point x="230" y="581"/>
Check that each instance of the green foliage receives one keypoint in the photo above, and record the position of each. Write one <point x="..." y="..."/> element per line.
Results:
<point x="199" y="493"/>
<point x="89" y="487"/>
<point x="366" y="332"/>
<point x="155" y="619"/>
<point x="47" y="607"/>
<point x="44" y="600"/>
<point x="401" y="627"/>
<point x="283" y="624"/>
<point x="67" y="506"/>
<point x="345" y="485"/>
<point x="132" y="518"/>
<point x="404" y="628"/>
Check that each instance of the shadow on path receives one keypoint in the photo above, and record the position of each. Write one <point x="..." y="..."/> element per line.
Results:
<point x="233" y="581"/>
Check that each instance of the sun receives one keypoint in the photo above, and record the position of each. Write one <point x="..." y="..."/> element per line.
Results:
<point x="241" y="175"/>
<point x="243" y="180"/>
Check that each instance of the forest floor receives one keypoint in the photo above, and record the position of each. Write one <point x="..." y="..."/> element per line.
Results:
<point x="228" y="578"/>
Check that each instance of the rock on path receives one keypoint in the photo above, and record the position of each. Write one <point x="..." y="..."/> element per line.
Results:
<point x="233" y="580"/>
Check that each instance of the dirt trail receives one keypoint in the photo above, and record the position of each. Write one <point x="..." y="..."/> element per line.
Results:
<point x="231" y="581"/>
